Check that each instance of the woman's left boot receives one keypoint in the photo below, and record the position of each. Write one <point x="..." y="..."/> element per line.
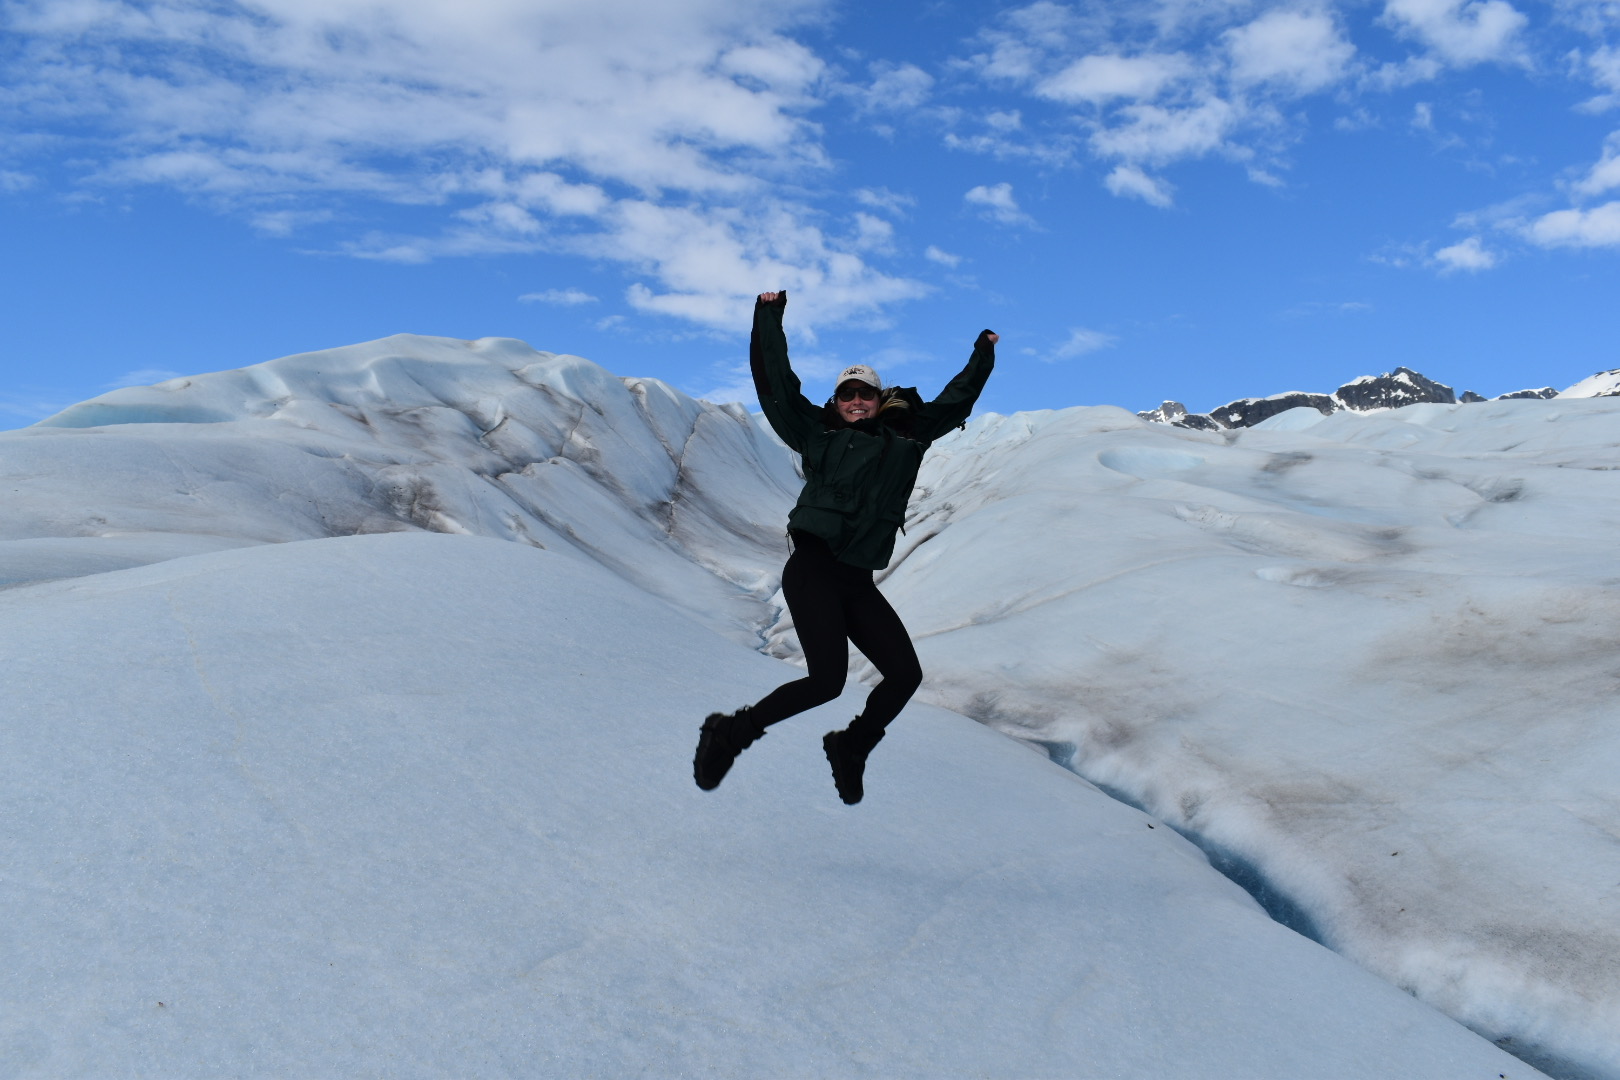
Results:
<point x="723" y="737"/>
<point x="847" y="751"/>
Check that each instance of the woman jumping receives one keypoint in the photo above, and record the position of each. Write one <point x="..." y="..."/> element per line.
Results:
<point x="861" y="453"/>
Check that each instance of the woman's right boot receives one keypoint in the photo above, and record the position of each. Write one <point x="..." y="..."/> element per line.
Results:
<point x="722" y="738"/>
<point x="846" y="753"/>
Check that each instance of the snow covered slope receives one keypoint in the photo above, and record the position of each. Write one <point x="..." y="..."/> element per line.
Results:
<point x="421" y="806"/>
<point x="484" y="437"/>
<point x="1369" y="660"/>
<point x="1365" y="660"/>
<point x="1603" y="384"/>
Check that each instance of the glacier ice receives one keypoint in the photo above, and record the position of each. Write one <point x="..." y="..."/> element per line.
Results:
<point x="1369" y="658"/>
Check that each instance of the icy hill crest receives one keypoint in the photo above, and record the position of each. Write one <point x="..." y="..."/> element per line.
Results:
<point x="487" y="437"/>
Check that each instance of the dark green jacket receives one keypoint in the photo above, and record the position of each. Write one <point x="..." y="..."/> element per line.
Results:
<point x="857" y="478"/>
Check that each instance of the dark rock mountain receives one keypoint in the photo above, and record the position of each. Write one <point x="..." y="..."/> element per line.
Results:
<point x="1174" y="412"/>
<point x="1403" y="386"/>
<point x="1247" y="412"/>
<point x="1391" y="390"/>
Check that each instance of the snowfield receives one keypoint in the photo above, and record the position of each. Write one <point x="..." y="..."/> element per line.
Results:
<point x="352" y="696"/>
<point x="1369" y="660"/>
<point x="421" y="805"/>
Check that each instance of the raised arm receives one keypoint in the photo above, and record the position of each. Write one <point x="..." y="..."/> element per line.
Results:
<point x="955" y="403"/>
<point x="790" y="413"/>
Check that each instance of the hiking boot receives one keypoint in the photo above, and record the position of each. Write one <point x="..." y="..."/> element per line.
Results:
<point x="723" y="737"/>
<point x="846" y="753"/>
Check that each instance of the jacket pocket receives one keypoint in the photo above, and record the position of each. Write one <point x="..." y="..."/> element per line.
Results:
<point x="837" y="494"/>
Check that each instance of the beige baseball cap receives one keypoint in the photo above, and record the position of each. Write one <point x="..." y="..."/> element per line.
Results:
<point x="860" y="373"/>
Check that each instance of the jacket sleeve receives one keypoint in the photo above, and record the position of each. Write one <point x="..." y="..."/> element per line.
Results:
<point x="791" y="414"/>
<point x="955" y="403"/>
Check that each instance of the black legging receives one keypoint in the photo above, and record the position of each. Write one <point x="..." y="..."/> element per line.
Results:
<point x="834" y="604"/>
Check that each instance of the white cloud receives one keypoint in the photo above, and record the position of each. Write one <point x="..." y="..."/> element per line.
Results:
<point x="1082" y="341"/>
<point x="1602" y="66"/>
<point x="142" y="377"/>
<point x="886" y="359"/>
<point x="1163" y="81"/>
<point x="503" y="219"/>
<point x="996" y="202"/>
<point x="651" y="135"/>
<point x="872" y="234"/>
<point x="1470" y="254"/>
<point x="649" y="96"/>
<point x="28" y="408"/>
<point x="1423" y="116"/>
<point x="569" y="297"/>
<point x="735" y="383"/>
<point x="1153" y="83"/>
<point x="1408" y="72"/>
<point x="1359" y="119"/>
<point x="1598" y="227"/>
<point x="1019" y="52"/>
<point x="1462" y="32"/>
<point x="784" y="66"/>
<point x="1264" y="178"/>
<point x="709" y="265"/>
<point x="896" y="88"/>
<point x="1508" y="215"/>
<point x="1301" y="49"/>
<point x="1049" y="150"/>
<point x="12" y="181"/>
<point x="1100" y="78"/>
<point x="287" y="222"/>
<point x="1130" y="181"/>
<point x="1605" y="175"/>
<point x="547" y="191"/>
<point x="1315" y="308"/>
<point x="1159" y="135"/>
<point x="885" y="200"/>
<point x="944" y="258"/>
<point x="1400" y="255"/>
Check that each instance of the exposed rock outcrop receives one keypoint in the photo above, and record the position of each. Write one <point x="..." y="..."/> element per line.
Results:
<point x="1247" y="412"/>
<point x="1174" y="412"/>
<point x="1391" y="390"/>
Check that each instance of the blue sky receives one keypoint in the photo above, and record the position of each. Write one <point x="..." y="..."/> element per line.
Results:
<point x="1188" y="199"/>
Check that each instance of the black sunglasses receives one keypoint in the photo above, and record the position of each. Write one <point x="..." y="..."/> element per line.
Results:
<point x="858" y="390"/>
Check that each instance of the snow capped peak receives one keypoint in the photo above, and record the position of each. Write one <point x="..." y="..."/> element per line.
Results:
<point x="1392" y="390"/>
<point x="1367" y="393"/>
<point x="1603" y="384"/>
